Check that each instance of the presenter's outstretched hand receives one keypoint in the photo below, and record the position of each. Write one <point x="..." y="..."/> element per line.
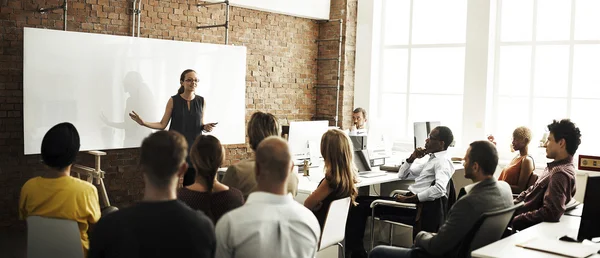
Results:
<point x="209" y="127"/>
<point x="135" y="117"/>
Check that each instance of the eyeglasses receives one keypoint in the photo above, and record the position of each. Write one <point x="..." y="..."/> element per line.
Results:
<point x="192" y="80"/>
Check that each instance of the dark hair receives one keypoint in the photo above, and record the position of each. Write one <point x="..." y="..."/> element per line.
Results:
<point x="60" y="146"/>
<point x="445" y="134"/>
<point x="181" y="78"/>
<point x="161" y="155"/>
<point x="261" y="126"/>
<point x="565" y="129"/>
<point x="485" y="154"/>
<point x="361" y="110"/>
<point x="206" y="156"/>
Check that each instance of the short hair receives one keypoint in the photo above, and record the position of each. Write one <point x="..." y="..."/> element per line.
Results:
<point x="161" y="155"/>
<point x="60" y="146"/>
<point x="522" y="132"/>
<point x="565" y="129"/>
<point x="485" y="154"/>
<point x="261" y="126"/>
<point x="361" y="110"/>
<point x="445" y="134"/>
<point x="273" y="158"/>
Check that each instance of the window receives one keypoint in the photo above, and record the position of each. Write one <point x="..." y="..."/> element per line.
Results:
<point x="547" y="62"/>
<point x="422" y="55"/>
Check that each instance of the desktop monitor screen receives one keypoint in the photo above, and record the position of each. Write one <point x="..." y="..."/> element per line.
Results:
<point x="304" y="133"/>
<point x="421" y="132"/>
<point x="590" y="216"/>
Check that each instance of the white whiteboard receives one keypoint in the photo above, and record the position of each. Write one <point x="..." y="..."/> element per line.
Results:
<point x="82" y="78"/>
<point x="311" y="9"/>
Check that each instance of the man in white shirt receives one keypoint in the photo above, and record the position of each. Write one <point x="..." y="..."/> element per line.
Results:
<point x="431" y="180"/>
<point x="359" y="122"/>
<point x="271" y="223"/>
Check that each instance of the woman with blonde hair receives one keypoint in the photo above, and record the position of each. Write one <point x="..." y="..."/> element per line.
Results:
<point x="519" y="172"/>
<point x="206" y="193"/>
<point x="340" y="180"/>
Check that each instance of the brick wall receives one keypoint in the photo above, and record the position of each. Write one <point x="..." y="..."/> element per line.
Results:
<point x="281" y="73"/>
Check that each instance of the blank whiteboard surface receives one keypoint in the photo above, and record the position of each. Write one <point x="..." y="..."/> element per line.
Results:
<point x="95" y="80"/>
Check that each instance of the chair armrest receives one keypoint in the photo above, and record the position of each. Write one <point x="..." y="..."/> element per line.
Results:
<point x="398" y="192"/>
<point x="393" y="204"/>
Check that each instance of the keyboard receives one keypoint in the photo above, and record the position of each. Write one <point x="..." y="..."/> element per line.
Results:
<point x="368" y="174"/>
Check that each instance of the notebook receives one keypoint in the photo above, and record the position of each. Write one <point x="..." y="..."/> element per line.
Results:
<point x="568" y="249"/>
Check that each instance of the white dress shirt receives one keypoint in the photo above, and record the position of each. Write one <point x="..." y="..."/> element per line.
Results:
<point x="269" y="226"/>
<point x="439" y="168"/>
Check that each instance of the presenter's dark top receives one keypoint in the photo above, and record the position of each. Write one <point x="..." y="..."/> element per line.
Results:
<point x="187" y="121"/>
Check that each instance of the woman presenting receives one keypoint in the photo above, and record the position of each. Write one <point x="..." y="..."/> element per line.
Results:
<point x="186" y="112"/>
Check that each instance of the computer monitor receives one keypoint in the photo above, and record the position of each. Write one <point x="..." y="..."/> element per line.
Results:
<point x="361" y="160"/>
<point x="304" y="136"/>
<point x="421" y="132"/>
<point x="359" y="142"/>
<point x="589" y="226"/>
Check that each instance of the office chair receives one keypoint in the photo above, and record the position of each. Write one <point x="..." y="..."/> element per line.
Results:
<point x="445" y="203"/>
<point x="50" y="237"/>
<point x="489" y="228"/>
<point x="334" y="228"/>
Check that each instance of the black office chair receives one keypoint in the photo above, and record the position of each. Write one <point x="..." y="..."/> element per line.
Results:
<point x="489" y="228"/>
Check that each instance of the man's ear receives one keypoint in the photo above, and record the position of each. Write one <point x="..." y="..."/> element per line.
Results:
<point x="182" y="169"/>
<point x="562" y="143"/>
<point x="475" y="166"/>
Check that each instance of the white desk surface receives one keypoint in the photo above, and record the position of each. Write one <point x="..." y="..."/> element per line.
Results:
<point x="568" y="225"/>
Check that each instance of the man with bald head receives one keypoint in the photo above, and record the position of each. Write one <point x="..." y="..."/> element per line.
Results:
<point x="271" y="223"/>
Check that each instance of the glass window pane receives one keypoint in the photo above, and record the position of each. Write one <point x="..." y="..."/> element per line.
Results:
<point x="392" y="115"/>
<point x="516" y="20"/>
<point x="586" y="71"/>
<point x="551" y="76"/>
<point x="439" y="21"/>
<point x="437" y="70"/>
<point x="587" y="19"/>
<point x="396" y="22"/>
<point x="512" y="112"/>
<point x="544" y="111"/>
<point x="553" y="20"/>
<point x="446" y="109"/>
<point x="394" y="70"/>
<point x="514" y="73"/>
<point x="580" y="109"/>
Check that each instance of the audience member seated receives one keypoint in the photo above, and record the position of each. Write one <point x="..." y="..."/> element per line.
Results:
<point x="159" y="225"/>
<point x="520" y="169"/>
<point x="206" y="193"/>
<point x="56" y="194"/>
<point x="359" y="122"/>
<point x="241" y="175"/>
<point x="271" y="223"/>
<point x="486" y="194"/>
<point x="546" y="200"/>
<point x="339" y="174"/>
<point x="428" y="191"/>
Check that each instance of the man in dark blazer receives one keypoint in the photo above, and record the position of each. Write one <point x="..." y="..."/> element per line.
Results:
<point x="486" y="194"/>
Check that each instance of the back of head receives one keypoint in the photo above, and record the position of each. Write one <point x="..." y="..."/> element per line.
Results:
<point x="206" y="156"/>
<point x="485" y="154"/>
<point x="273" y="160"/>
<point x="60" y="146"/>
<point x="161" y="155"/>
<point x="565" y="129"/>
<point x="337" y="152"/>
<point x="445" y="134"/>
<point x="261" y="126"/>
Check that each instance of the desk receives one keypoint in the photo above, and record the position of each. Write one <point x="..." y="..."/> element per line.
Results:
<point x="506" y="247"/>
<point x="575" y="211"/>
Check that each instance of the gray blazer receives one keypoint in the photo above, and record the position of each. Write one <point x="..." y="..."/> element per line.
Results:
<point x="488" y="195"/>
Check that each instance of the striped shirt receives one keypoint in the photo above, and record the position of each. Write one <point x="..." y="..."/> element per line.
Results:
<point x="546" y="200"/>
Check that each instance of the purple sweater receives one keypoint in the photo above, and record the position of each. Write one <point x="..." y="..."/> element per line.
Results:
<point x="546" y="200"/>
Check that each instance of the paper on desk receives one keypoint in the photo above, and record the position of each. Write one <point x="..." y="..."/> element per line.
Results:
<point x="563" y="248"/>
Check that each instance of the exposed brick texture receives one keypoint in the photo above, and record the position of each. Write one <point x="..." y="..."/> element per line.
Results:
<point x="280" y="77"/>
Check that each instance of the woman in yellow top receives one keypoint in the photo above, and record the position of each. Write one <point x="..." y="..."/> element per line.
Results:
<point x="56" y="194"/>
<point x="340" y="180"/>
<point x="520" y="169"/>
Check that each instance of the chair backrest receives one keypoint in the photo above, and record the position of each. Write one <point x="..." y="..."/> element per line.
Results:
<point x="50" y="237"/>
<point x="489" y="228"/>
<point x="335" y="223"/>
